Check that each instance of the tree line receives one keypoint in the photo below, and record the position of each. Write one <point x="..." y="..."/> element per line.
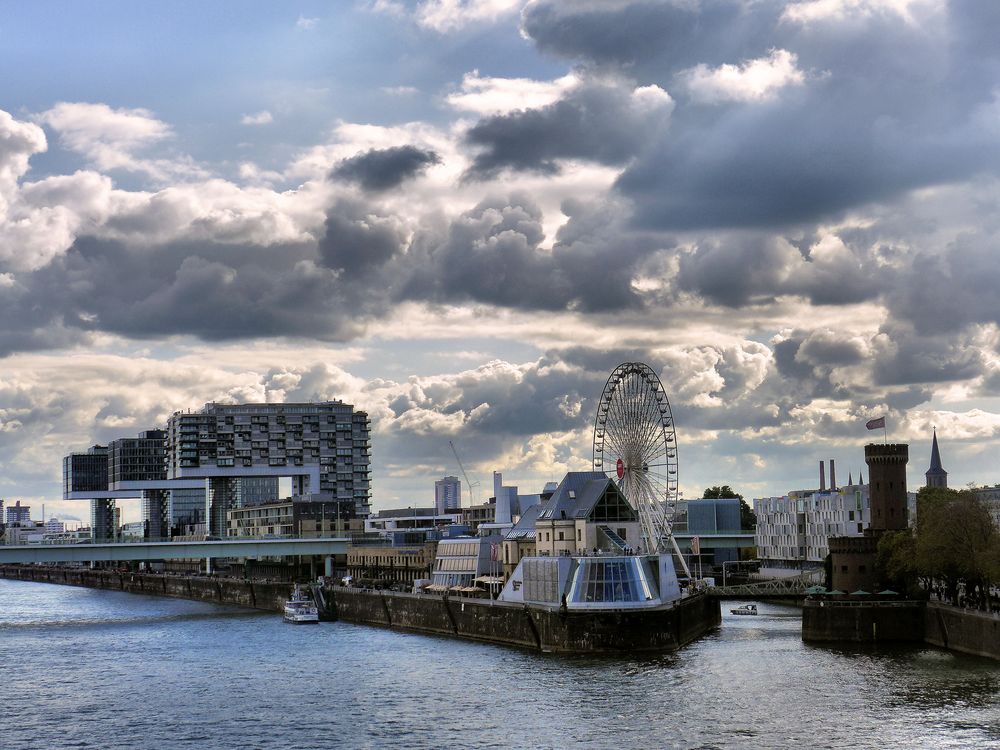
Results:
<point x="953" y="550"/>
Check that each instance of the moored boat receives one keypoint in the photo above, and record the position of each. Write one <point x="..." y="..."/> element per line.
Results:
<point x="746" y="609"/>
<point x="300" y="609"/>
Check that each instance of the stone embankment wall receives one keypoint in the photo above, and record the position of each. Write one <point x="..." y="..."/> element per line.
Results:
<point x="250" y="594"/>
<point x="962" y="630"/>
<point x="867" y="622"/>
<point x="967" y="631"/>
<point x="548" y="630"/>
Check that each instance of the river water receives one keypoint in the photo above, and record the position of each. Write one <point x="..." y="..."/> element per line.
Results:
<point x="82" y="668"/>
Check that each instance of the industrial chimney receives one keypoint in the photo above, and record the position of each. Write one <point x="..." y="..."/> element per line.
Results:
<point x="833" y="476"/>
<point x="822" y="476"/>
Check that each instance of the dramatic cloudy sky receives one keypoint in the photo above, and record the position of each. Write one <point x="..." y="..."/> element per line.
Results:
<point x="460" y="215"/>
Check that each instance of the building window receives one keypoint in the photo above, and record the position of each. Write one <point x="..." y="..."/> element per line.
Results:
<point x="562" y="537"/>
<point x="579" y="535"/>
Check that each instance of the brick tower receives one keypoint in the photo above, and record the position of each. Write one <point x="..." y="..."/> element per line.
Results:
<point x="887" y="480"/>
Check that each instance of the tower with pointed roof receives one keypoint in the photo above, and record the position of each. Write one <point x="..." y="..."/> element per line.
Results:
<point x="936" y="475"/>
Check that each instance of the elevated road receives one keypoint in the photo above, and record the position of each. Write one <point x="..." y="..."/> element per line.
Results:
<point x="120" y="552"/>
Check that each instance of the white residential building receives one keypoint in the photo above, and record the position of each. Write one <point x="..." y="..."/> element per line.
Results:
<point x="792" y="530"/>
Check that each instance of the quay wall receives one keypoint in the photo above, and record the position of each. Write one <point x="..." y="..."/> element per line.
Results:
<point x="240" y="593"/>
<point x="962" y="630"/>
<point x="537" y="628"/>
<point x="966" y="631"/>
<point x="863" y="622"/>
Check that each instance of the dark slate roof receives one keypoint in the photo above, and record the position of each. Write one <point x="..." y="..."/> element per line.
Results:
<point x="525" y="526"/>
<point x="576" y="495"/>
<point x="936" y="469"/>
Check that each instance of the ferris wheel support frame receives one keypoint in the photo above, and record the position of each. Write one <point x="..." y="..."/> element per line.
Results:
<point x="641" y="430"/>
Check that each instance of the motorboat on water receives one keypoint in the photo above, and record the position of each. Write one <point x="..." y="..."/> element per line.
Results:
<point x="300" y="609"/>
<point x="746" y="609"/>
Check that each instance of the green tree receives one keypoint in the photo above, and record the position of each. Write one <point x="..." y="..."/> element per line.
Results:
<point x="955" y="540"/>
<point x="895" y="563"/>
<point x="717" y="492"/>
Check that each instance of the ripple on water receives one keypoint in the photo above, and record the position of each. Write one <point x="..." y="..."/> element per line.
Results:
<point x="124" y="671"/>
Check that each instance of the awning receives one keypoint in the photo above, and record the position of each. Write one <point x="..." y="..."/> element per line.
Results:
<point x="491" y="580"/>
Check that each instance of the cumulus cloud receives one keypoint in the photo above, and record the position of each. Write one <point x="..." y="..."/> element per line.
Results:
<point x="810" y="11"/>
<point x="752" y="80"/>
<point x="487" y="95"/>
<point x="113" y="138"/>
<point x="785" y="150"/>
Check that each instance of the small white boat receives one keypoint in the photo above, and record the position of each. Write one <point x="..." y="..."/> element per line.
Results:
<point x="746" y="609"/>
<point x="300" y="609"/>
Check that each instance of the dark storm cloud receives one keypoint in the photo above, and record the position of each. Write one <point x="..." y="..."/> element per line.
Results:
<point x="944" y="293"/>
<point x="383" y="169"/>
<point x="650" y="33"/>
<point x="358" y="241"/>
<point x="601" y="122"/>
<point x="908" y="359"/>
<point x="752" y="268"/>
<point x="869" y="119"/>
<point x="211" y="290"/>
<point x="492" y="254"/>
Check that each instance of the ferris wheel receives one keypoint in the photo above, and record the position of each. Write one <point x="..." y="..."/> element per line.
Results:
<point x="635" y="442"/>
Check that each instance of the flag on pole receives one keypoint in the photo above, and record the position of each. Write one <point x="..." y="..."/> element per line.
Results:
<point x="876" y="424"/>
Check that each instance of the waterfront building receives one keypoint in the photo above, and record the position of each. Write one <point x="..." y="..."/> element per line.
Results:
<point x="386" y="564"/>
<point x="793" y="530"/>
<point x="519" y="542"/>
<point x="853" y="558"/>
<point x="410" y="519"/>
<point x="18" y="514"/>
<point x="54" y="526"/>
<point x="133" y="531"/>
<point x="467" y="565"/>
<point x="716" y="523"/>
<point x="586" y="512"/>
<point x="77" y="536"/>
<point x="473" y="515"/>
<point x="935" y="475"/>
<point x="447" y="494"/>
<point x="24" y="532"/>
<point x="299" y="516"/>
<point x="324" y="448"/>
<point x="86" y="474"/>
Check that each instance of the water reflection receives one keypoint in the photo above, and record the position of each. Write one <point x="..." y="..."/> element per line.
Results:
<point x="171" y="673"/>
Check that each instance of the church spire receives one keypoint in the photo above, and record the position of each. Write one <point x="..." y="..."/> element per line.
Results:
<point x="936" y="475"/>
<point x="850" y="479"/>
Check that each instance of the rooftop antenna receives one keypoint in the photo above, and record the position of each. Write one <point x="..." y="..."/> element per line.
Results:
<point x="470" y="485"/>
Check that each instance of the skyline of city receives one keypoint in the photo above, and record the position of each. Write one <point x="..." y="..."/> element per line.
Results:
<point x="461" y="216"/>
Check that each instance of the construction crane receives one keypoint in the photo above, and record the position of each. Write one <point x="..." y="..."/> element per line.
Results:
<point x="470" y="485"/>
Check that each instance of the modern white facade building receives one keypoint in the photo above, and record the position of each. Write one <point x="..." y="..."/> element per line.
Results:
<point x="792" y="530"/>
